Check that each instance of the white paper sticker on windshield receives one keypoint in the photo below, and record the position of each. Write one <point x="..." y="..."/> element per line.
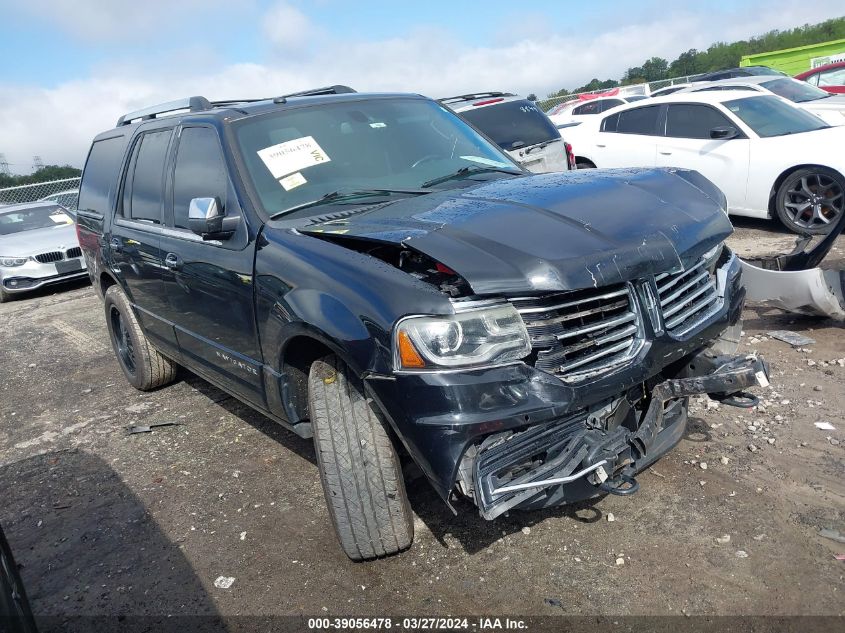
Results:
<point x="291" y="156"/>
<point x="293" y="181"/>
<point x="378" y="124"/>
<point x="61" y="218"/>
<point x="486" y="161"/>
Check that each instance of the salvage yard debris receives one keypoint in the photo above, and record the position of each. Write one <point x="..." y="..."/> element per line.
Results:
<point x="146" y="428"/>
<point x="224" y="582"/>
<point x="793" y="338"/>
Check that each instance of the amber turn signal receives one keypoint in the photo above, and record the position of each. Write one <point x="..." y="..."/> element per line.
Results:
<point x="408" y="355"/>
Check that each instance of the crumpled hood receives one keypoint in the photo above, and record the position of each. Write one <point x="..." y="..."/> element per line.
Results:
<point x="35" y="241"/>
<point x="552" y="232"/>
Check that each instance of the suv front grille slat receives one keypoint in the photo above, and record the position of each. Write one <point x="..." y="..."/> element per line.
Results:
<point x="74" y="252"/>
<point x="47" y="258"/>
<point x="687" y="298"/>
<point x="583" y="331"/>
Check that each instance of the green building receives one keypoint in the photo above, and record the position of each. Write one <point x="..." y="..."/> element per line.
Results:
<point x="796" y="60"/>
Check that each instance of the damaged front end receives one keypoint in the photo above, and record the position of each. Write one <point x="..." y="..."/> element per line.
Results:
<point x="600" y="449"/>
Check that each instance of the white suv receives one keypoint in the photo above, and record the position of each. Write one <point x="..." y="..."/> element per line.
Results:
<point x="518" y="126"/>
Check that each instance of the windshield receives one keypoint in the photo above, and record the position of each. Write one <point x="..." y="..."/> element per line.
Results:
<point x="303" y="154"/>
<point x="22" y="220"/>
<point x="513" y="124"/>
<point x="795" y="91"/>
<point x="770" y="116"/>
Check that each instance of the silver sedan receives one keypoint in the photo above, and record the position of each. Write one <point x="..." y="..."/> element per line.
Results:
<point x="38" y="246"/>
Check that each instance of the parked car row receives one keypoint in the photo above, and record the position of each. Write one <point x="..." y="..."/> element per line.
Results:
<point x="770" y="158"/>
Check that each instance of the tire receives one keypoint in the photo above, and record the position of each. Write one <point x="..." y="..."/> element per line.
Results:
<point x="143" y="365"/>
<point x="359" y="467"/>
<point x="15" y="612"/>
<point x="809" y="201"/>
<point x="4" y="296"/>
<point x="584" y="164"/>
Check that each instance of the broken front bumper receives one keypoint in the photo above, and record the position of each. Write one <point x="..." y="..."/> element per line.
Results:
<point x="599" y="450"/>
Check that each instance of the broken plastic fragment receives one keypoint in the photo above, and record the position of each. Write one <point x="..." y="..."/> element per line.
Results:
<point x="224" y="582"/>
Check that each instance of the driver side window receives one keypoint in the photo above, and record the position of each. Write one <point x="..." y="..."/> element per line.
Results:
<point x="200" y="172"/>
<point x="686" y="120"/>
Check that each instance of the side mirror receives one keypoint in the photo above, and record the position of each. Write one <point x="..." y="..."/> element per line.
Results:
<point x="724" y="132"/>
<point x="207" y="218"/>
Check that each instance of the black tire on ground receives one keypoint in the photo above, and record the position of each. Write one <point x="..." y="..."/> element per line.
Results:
<point x="143" y="365"/>
<point x="583" y="163"/>
<point x="811" y="200"/>
<point x="4" y="296"/>
<point x="359" y="466"/>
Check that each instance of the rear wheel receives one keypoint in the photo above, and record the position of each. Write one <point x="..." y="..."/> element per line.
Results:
<point x="583" y="163"/>
<point x="359" y="467"/>
<point x="811" y="200"/>
<point x="143" y="365"/>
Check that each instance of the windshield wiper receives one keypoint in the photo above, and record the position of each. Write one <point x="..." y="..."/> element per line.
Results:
<point x="542" y="145"/>
<point x="463" y="172"/>
<point x="339" y="196"/>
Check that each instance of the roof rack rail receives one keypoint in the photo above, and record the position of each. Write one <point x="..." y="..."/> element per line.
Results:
<point x="314" y="92"/>
<point x="474" y="95"/>
<point x="194" y="104"/>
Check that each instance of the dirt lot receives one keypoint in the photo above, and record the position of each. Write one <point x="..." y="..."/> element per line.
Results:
<point x="104" y="522"/>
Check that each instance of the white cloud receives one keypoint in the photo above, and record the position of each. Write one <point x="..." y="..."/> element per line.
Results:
<point x="286" y="27"/>
<point x="58" y="123"/>
<point x="111" y="19"/>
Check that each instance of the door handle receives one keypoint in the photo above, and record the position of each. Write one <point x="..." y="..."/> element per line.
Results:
<point x="600" y="145"/>
<point x="116" y="245"/>
<point x="173" y="261"/>
<point x="665" y="153"/>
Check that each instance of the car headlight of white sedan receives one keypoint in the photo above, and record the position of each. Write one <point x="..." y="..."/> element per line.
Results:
<point x="11" y="262"/>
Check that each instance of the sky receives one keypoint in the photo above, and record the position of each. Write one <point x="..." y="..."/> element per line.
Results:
<point x="70" y="68"/>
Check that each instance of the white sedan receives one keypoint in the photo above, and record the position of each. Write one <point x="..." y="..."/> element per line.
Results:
<point x="830" y="108"/>
<point x="768" y="157"/>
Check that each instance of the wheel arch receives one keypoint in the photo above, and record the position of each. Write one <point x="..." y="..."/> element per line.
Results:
<point x="296" y="355"/>
<point x="105" y="281"/>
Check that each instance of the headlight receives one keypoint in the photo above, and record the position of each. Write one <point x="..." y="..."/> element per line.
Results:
<point x="486" y="336"/>
<point x="12" y="261"/>
<point x="712" y="255"/>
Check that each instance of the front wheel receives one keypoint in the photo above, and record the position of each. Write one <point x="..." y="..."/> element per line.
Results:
<point x="143" y="365"/>
<point x="359" y="467"/>
<point x="811" y="200"/>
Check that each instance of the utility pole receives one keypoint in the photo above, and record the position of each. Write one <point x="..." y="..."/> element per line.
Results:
<point x="37" y="164"/>
<point x="4" y="166"/>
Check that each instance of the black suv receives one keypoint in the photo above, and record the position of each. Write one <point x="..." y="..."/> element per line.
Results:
<point x="370" y="270"/>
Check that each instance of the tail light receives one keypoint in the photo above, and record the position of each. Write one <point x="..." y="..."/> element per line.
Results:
<point x="570" y="155"/>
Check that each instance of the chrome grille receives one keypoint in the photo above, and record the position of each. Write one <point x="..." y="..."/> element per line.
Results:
<point x="73" y="252"/>
<point x="582" y="332"/>
<point x="52" y="256"/>
<point x="687" y="298"/>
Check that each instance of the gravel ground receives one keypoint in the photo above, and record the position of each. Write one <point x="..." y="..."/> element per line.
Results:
<point x="104" y="522"/>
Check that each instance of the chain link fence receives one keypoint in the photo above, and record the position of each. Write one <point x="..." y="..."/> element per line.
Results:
<point x="64" y="192"/>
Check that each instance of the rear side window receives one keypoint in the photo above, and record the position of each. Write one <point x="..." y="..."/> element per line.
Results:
<point x="591" y="107"/>
<point x="637" y="121"/>
<point x="143" y="191"/>
<point x="513" y="124"/>
<point x="101" y="174"/>
<point x="834" y="77"/>
<point x="200" y="172"/>
<point x="693" y="121"/>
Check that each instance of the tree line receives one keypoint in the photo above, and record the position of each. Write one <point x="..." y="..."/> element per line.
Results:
<point x="45" y="174"/>
<point x="718" y="56"/>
